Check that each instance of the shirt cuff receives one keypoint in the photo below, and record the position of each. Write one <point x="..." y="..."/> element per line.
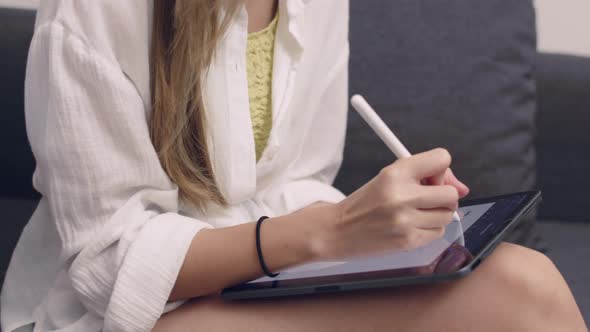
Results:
<point x="149" y="272"/>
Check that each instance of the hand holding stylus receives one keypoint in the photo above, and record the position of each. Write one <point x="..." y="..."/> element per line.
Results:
<point x="394" y="211"/>
<point x="394" y="144"/>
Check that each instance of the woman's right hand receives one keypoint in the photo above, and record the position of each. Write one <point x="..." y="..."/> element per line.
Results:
<point x="393" y="211"/>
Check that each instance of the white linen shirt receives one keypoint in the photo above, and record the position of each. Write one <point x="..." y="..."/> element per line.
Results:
<point x="104" y="247"/>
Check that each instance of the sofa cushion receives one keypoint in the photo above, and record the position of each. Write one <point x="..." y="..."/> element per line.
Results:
<point x="15" y="215"/>
<point x="568" y="249"/>
<point x="456" y="74"/>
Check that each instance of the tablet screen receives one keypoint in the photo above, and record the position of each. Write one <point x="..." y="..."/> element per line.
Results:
<point x="481" y="221"/>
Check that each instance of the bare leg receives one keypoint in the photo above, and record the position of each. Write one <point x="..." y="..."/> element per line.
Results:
<point x="515" y="289"/>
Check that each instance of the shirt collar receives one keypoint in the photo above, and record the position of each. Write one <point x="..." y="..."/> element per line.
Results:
<point x="294" y="10"/>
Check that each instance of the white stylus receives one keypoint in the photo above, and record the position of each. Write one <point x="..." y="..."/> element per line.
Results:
<point x="393" y="143"/>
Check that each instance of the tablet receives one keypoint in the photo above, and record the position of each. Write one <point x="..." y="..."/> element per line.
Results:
<point x="485" y="222"/>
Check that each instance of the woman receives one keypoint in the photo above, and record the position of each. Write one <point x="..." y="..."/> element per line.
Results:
<point x="163" y="131"/>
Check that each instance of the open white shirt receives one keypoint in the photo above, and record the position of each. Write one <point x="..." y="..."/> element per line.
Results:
<point x="104" y="247"/>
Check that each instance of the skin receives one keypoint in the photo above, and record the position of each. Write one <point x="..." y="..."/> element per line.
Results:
<point x="501" y="295"/>
<point x="408" y="204"/>
<point x="260" y="13"/>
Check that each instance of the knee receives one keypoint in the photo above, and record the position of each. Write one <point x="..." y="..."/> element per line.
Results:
<point x="526" y="274"/>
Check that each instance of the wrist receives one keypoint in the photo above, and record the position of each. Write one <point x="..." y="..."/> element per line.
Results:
<point x="284" y="243"/>
<point x="318" y="222"/>
<point x="299" y="237"/>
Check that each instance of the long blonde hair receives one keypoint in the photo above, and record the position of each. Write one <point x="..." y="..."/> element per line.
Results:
<point x="185" y="36"/>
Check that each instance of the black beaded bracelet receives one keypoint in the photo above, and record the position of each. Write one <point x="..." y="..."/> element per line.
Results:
<point x="259" y="249"/>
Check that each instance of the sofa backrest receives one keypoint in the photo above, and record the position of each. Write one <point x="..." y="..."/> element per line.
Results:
<point x="556" y="79"/>
<point x="16" y="160"/>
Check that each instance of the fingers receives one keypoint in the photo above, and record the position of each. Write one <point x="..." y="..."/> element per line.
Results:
<point x="432" y="219"/>
<point x="453" y="259"/>
<point x="432" y="197"/>
<point x="428" y="164"/>
<point x="452" y="180"/>
<point x="438" y="179"/>
<point x="423" y="237"/>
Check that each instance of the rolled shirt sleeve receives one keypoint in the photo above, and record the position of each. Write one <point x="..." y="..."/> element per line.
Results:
<point x="115" y="209"/>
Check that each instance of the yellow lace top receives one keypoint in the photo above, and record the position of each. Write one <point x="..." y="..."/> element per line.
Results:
<point x="260" y="54"/>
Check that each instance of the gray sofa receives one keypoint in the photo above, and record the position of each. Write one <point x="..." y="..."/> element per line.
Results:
<point x="562" y="140"/>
